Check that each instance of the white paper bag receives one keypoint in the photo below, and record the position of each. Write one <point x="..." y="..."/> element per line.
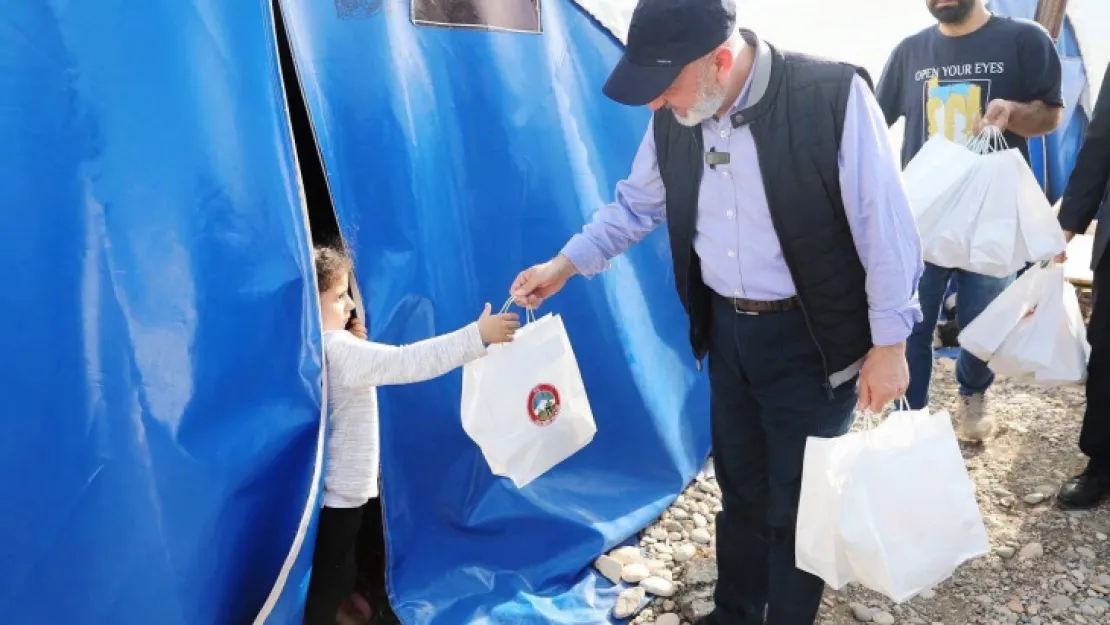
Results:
<point x="524" y="403"/>
<point x="1041" y="234"/>
<point x="994" y="249"/>
<point x="1049" y="342"/>
<point x="1033" y="329"/>
<point x="985" y="334"/>
<point x="947" y="243"/>
<point x="937" y="168"/>
<point x="891" y="508"/>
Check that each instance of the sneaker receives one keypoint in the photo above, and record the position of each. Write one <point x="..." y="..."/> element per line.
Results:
<point x="974" y="424"/>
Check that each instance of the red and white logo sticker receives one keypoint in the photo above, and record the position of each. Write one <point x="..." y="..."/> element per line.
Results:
<point x="543" y="404"/>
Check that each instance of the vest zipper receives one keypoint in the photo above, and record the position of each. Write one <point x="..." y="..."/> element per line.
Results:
<point x="690" y="303"/>
<point x="813" y="335"/>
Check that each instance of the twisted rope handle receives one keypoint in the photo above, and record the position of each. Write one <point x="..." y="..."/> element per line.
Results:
<point x="990" y="139"/>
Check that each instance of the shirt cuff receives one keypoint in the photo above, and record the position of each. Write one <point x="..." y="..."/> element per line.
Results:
<point x="585" y="256"/>
<point x="890" y="327"/>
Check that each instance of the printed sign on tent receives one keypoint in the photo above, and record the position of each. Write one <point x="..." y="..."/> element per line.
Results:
<point x="520" y="16"/>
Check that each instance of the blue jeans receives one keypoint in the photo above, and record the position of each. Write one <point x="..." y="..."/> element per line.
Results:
<point x="974" y="293"/>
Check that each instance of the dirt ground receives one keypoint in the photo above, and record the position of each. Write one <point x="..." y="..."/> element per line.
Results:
<point x="1046" y="565"/>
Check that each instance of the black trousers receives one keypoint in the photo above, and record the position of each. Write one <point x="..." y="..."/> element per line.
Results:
<point x="768" y="395"/>
<point x="370" y="555"/>
<point x="1094" y="437"/>
<point x="334" y="564"/>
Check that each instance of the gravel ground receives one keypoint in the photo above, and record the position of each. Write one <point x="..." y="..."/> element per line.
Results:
<point x="1046" y="566"/>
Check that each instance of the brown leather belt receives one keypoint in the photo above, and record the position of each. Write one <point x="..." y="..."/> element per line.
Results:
<point x="762" y="307"/>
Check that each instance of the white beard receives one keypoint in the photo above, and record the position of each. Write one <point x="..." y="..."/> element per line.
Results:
<point x="711" y="95"/>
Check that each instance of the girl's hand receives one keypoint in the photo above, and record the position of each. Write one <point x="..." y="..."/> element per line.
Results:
<point x="356" y="327"/>
<point x="497" y="328"/>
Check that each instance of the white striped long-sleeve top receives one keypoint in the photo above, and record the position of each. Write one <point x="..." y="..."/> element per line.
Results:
<point x="355" y="368"/>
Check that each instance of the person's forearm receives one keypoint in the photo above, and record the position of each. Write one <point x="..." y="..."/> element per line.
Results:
<point x="1033" y="119"/>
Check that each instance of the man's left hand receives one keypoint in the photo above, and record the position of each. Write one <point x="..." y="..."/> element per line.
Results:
<point x="998" y="114"/>
<point x="884" y="377"/>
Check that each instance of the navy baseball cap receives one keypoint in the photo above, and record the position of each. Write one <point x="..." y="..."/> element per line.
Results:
<point x="664" y="37"/>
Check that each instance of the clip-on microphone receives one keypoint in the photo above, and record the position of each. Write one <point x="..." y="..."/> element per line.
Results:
<point x="714" y="158"/>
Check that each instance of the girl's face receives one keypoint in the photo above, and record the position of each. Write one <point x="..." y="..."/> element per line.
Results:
<point x="336" y="305"/>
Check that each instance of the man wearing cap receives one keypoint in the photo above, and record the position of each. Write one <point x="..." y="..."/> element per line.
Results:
<point x="795" y="256"/>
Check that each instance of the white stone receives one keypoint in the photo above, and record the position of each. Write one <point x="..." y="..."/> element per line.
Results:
<point x="610" y="568"/>
<point x="701" y="535"/>
<point x="635" y="572"/>
<point x="1031" y="551"/>
<point x="628" y="601"/>
<point x="882" y="618"/>
<point x="658" y="586"/>
<point x="626" y="555"/>
<point x="700" y="520"/>
<point x="862" y="613"/>
<point x="685" y="552"/>
<point x="1059" y="603"/>
<point x="669" y="618"/>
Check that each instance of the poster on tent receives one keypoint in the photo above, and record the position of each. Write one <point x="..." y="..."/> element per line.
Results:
<point x="519" y="16"/>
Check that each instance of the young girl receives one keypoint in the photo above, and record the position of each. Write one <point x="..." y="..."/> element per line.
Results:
<point x="354" y="368"/>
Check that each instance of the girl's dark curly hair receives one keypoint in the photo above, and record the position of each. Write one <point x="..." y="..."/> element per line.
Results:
<point x="331" y="263"/>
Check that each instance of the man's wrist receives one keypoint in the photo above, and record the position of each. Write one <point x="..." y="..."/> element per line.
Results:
<point x="564" y="265"/>
<point x="893" y="348"/>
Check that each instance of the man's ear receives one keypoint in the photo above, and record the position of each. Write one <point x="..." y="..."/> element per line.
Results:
<point x="723" y="59"/>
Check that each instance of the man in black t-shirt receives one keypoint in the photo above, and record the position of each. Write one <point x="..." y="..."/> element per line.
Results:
<point x="971" y="69"/>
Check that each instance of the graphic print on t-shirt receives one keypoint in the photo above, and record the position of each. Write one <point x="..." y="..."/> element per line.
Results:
<point x="954" y="108"/>
<point x="954" y="98"/>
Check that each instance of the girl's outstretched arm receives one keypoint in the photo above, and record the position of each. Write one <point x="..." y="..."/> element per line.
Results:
<point x="356" y="362"/>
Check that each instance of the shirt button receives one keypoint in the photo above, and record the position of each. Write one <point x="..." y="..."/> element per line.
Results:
<point x="724" y="134"/>
<point x="732" y="253"/>
<point x="726" y="174"/>
<point x="730" y="214"/>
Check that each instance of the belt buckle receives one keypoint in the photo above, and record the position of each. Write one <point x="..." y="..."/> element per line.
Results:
<point x="737" y="310"/>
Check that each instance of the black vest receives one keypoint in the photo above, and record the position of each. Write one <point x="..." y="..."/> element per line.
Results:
<point x="796" y="123"/>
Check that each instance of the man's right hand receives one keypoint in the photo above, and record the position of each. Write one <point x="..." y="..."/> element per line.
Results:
<point x="1062" y="257"/>
<point x="539" y="282"/>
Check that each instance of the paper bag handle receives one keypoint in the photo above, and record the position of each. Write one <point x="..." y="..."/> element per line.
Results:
<point x="529" y="312"/>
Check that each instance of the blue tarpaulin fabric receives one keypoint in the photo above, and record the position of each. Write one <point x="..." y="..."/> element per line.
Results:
<point x="1053" y="157"/>
<point x="161" y="354"/>
<point x="456" y="158"/>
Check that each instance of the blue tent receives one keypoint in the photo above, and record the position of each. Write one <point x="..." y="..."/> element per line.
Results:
<point x="161" y="374"/>
<point x="457" y="156"/>
<point x="163" y="370"/>
<point x="161" y="440"/>
<point x="1053" y="156"/>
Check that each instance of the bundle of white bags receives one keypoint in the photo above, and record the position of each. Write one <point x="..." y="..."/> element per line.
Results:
<point x="890" y="507"/>
<point x="978" y="207"/>
<point x="1033" y="329"/>
<point x="524" y="403"/>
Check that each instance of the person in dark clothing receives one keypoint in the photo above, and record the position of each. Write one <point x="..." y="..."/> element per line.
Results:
<point x="795" y="256"/>
<point x="1085" y="199"/>
<point x="970" y="69"/>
